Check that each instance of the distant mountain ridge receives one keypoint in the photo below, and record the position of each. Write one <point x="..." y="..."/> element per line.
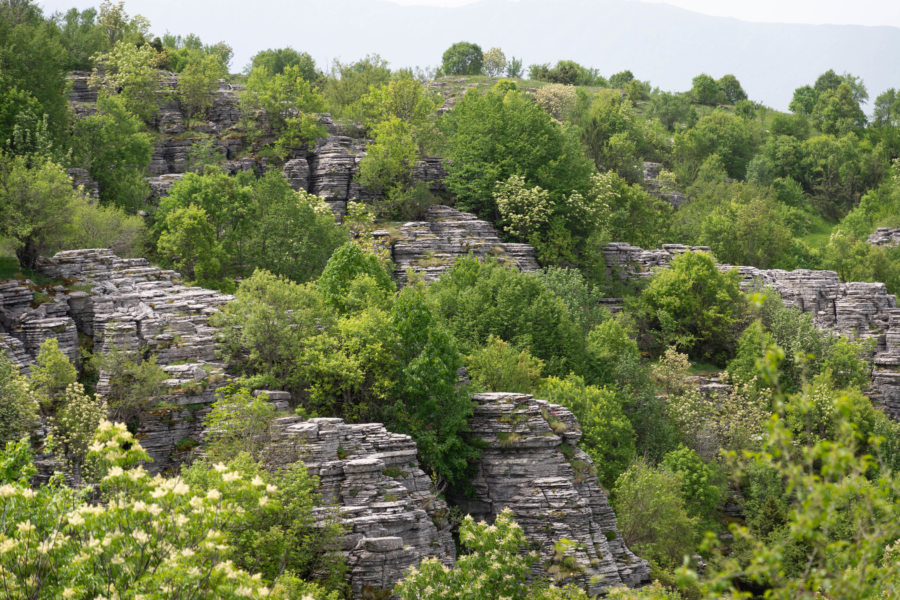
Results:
<point x="658" y="42"/>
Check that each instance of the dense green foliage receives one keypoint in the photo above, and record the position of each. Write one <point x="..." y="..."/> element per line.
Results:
<point x="784" y="449"/>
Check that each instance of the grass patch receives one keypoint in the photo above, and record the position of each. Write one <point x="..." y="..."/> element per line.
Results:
<point x="819" y="232"/>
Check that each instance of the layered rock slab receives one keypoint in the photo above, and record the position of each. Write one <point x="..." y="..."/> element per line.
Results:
<point x="372" y="480"/>
<point x="531" y="464"/>
<point x="431" y="247"/>
<point x="131" y="305"/>
<point x="859" y="310"/>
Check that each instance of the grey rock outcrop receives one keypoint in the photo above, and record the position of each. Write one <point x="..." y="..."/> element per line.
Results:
<point x="885" y="236"/>
<point x="129" y="304"/>
<point x="81" y="178"/>
<point x="371" y="478"/>
<point x="856" y="309"/>
<point x="531" y="464"/>
<point x="432" y="246"/>
<point x="296" y="172"/>
<point x="653" y="185"/>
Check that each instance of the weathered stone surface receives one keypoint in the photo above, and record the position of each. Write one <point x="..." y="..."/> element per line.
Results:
<point x="15" y="352"/>
<point x="80" y="177"/>
<point x="393" y="520"/>
<point x="885" y="236"/>
<point x="82" y="96"/>
<point x="134" y="306"/>
<point x="296" y="171"/>
<point x="551" y="494"/>
<point x="652" y="184"/>
<point x="856" y="309"/>
<point x="31" y="314"/>
<point x="333" y="166"/>
<point x="432" y="246"/>
<point x="160" y="185"/>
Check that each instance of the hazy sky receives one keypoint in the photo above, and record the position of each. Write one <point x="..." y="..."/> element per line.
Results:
<point x="843" y="12"/>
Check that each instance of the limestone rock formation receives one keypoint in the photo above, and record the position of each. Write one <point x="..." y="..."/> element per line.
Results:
<point x="372" y="479"/>
<point x="81" y="178"/>
<point x="531" y="464"/>
<point x="432" y="246"/>
<point x="109" y="301"/>
<point x="654" y="186"/>
<point x="855" y="309"/>
<point x="885" y="236"/>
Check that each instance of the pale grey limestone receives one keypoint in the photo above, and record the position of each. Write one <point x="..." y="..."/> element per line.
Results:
<point x="859" y="310"/>
<point x="371" y="478"/>
<point x="523" y="468"/>
<point x="432" y="246"/>
<point x="885" y="236"/>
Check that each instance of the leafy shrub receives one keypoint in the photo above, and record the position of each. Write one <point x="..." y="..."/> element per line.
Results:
<point x="607" y="435"/>
<point x="500" y="367"/>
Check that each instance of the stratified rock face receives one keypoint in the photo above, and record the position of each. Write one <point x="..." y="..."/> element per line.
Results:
<point x="129" y="304"/>
<point x="654" y="186"/>
<point x="296" y="172"/>
<point x="81" y="178"/>
<point x="885" y="236"/>
<point x="855" y="309"/>
<point x="531" y="464"/>
<point x="31" y="314"/>
<point x="631" y="262"/>
<point x="433" y="246"/>
<point x="372" y="477"/>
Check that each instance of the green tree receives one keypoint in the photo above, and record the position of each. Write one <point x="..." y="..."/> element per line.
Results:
<point x="693" y="306"/>
<point x="151" y="526"/>
<point x="262" y="332"/>
<point x="188" y="243"/>
<point x="493" y="566"/>
<point x="701" y="484"/>
<point x="35" y="206"/>
<point x="132" y="383"/>
<point x="838" y="112"/>
<point x="348" y="263"/>
<point x="499" y="134"/>
<point x="19" y="410"/>
<point x="706" y="90"/>
<point x="276" y="60"/>
<point x="113" y="146"/>
<point x="51" y="374"/>
<point x="652" y="515"/>
<point x="294" y="233"/>
<point x="476" y="299"/>
<point x="348" y="82"/>
<point x="73" y="426"/>
<point x="130" y="72"/>
<point x="82" y="37"/>
<point x="672" y="109"/>
<point x="463" y="58"/>
<point x="238" y="424"/>
<point x="748" y="231"/>
<point x="282" y="105"/>
<point x="731" y="89"/>
<point x="494" y="62"/>
<point x="523" y="211"/>
<point x="606" y="433"/>
<point x="500" y="367"/>
<point x="33" y="60"/>
<point x="197" y="84"/>
<point x="223" y="233"/>
<point x="388" y="164"/>
<point x="721" y="133"/>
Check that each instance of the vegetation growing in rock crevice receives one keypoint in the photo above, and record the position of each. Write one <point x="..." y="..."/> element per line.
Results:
<point x="789" y="440"/>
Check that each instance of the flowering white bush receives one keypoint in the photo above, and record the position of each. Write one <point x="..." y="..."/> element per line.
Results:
<point x="146" y="538"/>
